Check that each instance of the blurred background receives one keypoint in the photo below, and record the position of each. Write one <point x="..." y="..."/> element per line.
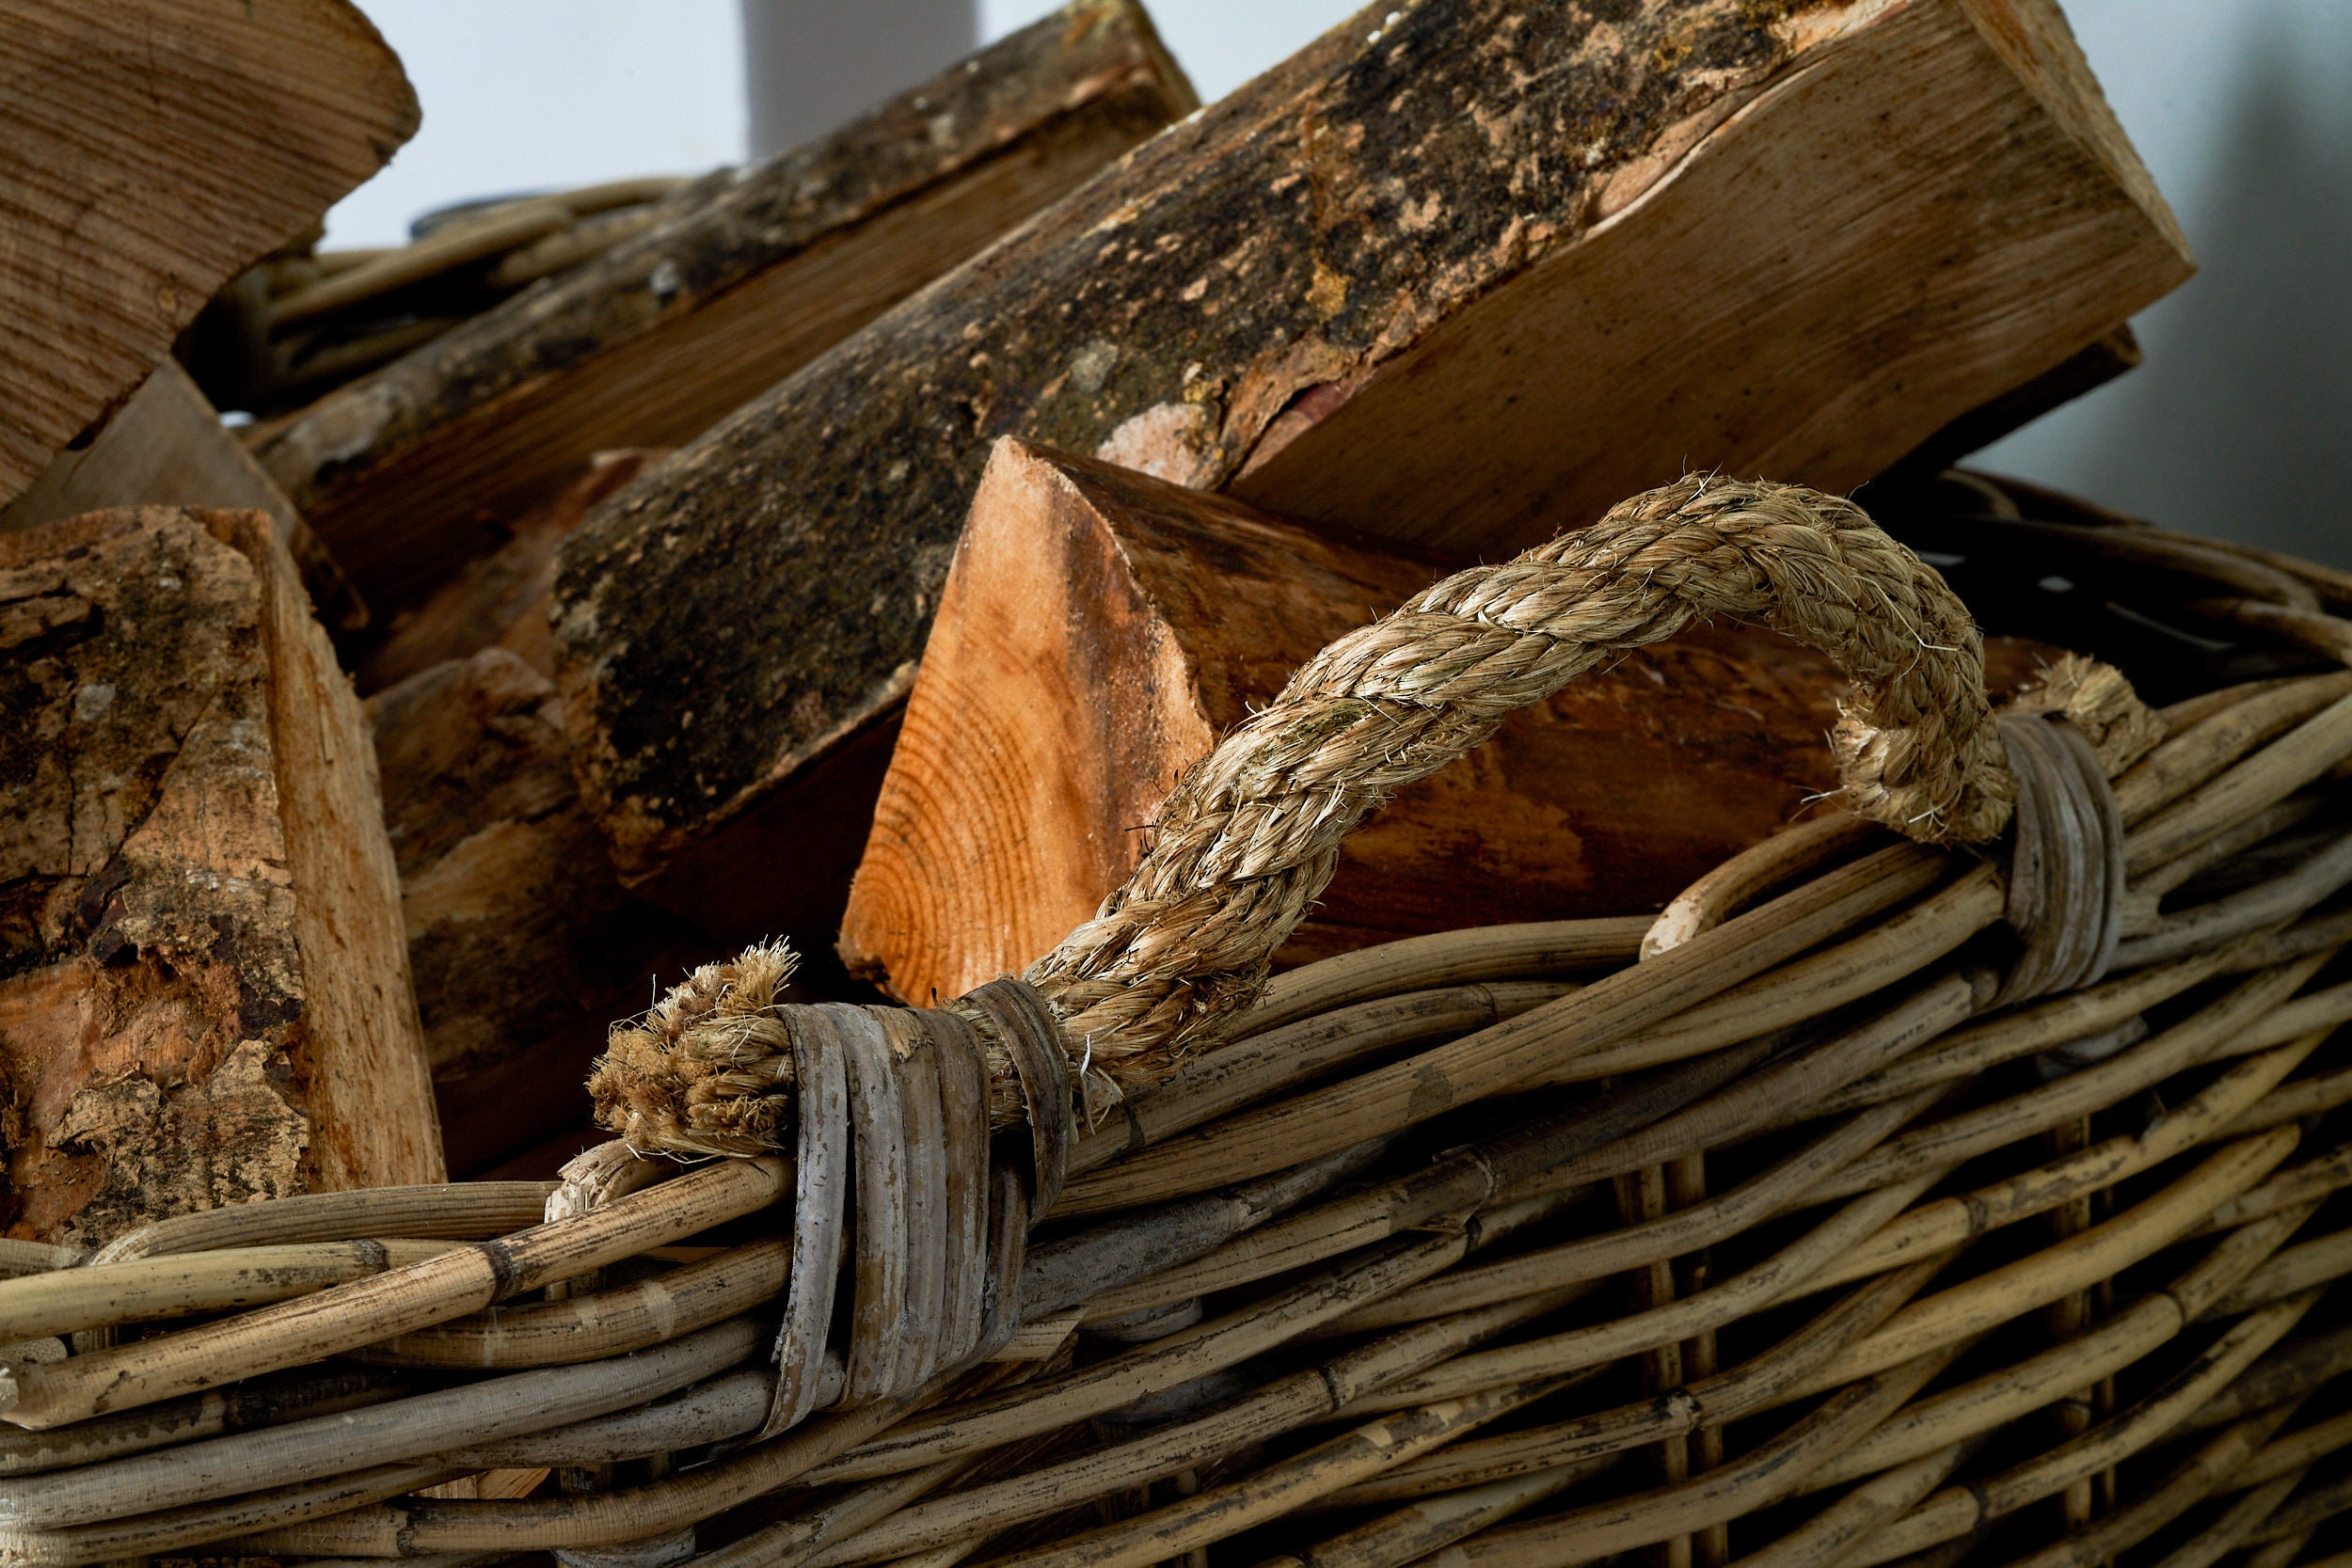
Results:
<point x="2239" y="424"/>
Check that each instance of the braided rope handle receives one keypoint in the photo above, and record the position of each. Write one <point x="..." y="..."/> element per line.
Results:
<point x="1250" y="835"/>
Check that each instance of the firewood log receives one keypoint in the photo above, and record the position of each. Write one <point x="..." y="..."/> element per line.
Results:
<point x="748" y="275"/>
<point x="204" y="995"/>
<point x="166" y="447"/>
<point x="500" y="599"/>
<point x="1100" y="628"/>
<point x="148" y="151"/>
<point x="523" y="944"/>
<point x="1462" y="277"/>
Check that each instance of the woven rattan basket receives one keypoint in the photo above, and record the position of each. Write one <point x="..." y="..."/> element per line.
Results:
<point x="1952" y="1171"/>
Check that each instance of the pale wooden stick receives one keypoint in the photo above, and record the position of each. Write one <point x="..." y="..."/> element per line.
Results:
<point x="726" y="1406"/>
<point x="1768" y="1093"/>
<point x="2093" y="1088"/>
<point x="345" y="1317"/>
<point x="407" y="1428"/>
<point x="2152" y="885"/>
<point x="1297" y="1052"/>
<point x="1956" y="1511"/>
<point x="1994" y="1399"/>
<point x="1758" y="1384"/>
<point x="185" y="1284"/>
<point x="2191" y="757"/>
<point x="2189" y="1484"/>
<point x="1521" y="1163"/>
<point x="1601" y="1342"/>
<point x="1837" y="1529"/>
<point x="19" y="1258"/>
<point x="466" y="1210"/>
<point x="2303" y="1447"/>
<point x="419" y="1526"/>
<point x="2227" y="1533"/>
<point x="1284" y="1405"/>
<point x="2270" y="775"/>
<point x="1593" y="1257"/>
<point x="1975" y="1047"/>
<point x="1753" y="872"/>
<point x="1808" y="987"/>
<point x="1508" y="952"/>
<point x="1510" y="1054"/>
<point x="1217" y="1513"/>
<point x="2293" y="1185"/>
<point x="599" y="1324"/>
<point x="240" y="1406"/>
<point x="2296" y="1268"/>
<point x="1149" y="1369"/>
<point x="1429" y="1524"/>
<point x="2289" y="1371"/>
<point x="1998" y="1294"/>
<point x="1948" y="1222"/>
<point x="1754" y="1481"/>
<point x="150" y="1535"/>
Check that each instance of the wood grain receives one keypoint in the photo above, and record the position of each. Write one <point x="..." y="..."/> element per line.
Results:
<point x="745" y="276"/>
<point x="1465" y="277"/>
<point x="148" y="151"/>
<point x="166" y="446"/>
<point x="1100" y="628"/>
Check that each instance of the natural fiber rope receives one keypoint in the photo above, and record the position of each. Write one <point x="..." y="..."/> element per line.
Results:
<point x="1249" y="838"/>
<point x="1250" y="835"/>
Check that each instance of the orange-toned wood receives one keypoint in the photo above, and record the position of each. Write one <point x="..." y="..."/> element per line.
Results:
<point x="1099" y="628"/>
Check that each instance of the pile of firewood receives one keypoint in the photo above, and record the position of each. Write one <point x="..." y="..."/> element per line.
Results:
<point x="359" y="772"/>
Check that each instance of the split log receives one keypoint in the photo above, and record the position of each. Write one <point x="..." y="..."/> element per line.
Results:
<point x="523" y="942"/>
<point x="203" y="992"/>
<point x="500" y="599"/>
<point x="1100" y="628"/>
<point x="747" y="278"/>
<point x="148" y="151"/>
<point x="167" y="447"/>
<point x="1461" y="278"/>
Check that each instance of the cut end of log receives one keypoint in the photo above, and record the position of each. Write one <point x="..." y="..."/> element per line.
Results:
<point x="1101" y="629"/>
<point x="154" y="147"/>
<point x="1800" y="245"/>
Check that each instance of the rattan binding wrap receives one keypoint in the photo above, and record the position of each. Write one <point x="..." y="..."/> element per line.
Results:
<point x="1946" y="1180"/>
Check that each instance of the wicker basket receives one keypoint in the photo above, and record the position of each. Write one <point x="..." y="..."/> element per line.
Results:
<point x="1895" y="1193"/>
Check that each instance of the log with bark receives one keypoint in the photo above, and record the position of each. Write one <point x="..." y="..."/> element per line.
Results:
<point x="1100" y="628"/>
<point x="204" y="995"/>
<point x="748" y="275"/>
<point x="500" y="599"/>
<point x="148" y="151"/>
<point x="1460" y="276"/>
<point x="523" y="942"/>
<point x="166" y="446"/>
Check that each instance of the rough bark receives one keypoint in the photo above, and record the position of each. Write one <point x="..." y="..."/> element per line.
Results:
<point x="748" y="278"/>
<point x="523" y="942"/>
<point x="148" y="151"/>
<point x="204" y="995"/>
<point x="1100" y="630"/>
<point x="1462" y="277"/>
<point x="166" y="447"/>
<point x="500" y="599"/>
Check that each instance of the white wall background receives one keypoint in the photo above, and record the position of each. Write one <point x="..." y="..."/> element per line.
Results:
<point x="533" y="94"/>
<point x="2240" y="422"/>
